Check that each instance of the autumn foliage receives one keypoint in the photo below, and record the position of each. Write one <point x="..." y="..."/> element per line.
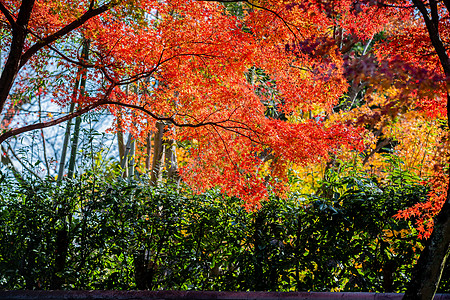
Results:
<point x="191" y="64"/>
<point x="256" y="95"/>
<point x="425" y="212"/>
<point x="251" y="87"/>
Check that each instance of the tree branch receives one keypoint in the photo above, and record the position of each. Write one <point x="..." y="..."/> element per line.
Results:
<point x="16" y="131"/>
<point x="219" y="124"/>
<point x="260" y="7"/>
<point x="435" y="38"/>
<point x="65" y="30"/>
<point x="434" y="14"/>
<point x="8" y="15"/>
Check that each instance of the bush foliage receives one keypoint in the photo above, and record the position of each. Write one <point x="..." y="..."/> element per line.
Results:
<point x="100" y="232"/>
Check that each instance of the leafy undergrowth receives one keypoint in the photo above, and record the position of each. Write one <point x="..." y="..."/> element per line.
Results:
<point x="95" y="232"/>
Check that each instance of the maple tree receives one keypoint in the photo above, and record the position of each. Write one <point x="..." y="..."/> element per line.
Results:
<point x="190" y="62"/>
<point x="414" y="61"/>
<point x="215" y="70"/>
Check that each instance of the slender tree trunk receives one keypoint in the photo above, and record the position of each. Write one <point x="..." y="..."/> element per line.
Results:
<point x="131" y="160"/>
<point x="171" y="159"/>
<point x="148" y="159"/>
<point x="44" y="144"/>
<point x="62" y="161"/>
<point x="158" y="154"/>
<point x="120" y="139"/>
<point x="65" y="146"/>
<point x="76" y="130"/>
<point x="74" y="148"/>
<point x="126" y="153"/>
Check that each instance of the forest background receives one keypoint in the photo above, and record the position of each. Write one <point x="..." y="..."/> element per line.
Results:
<point x="227" y="145"/>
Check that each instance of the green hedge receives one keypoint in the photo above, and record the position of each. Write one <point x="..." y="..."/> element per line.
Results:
<point x="97" y="233"/>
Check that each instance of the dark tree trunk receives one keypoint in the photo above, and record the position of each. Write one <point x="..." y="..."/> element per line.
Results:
<point x="389" y="268"/>
<point x="158" y="154"/>
<point x="62" y="244"/>
<point x="428" y="270"/>
<point x="12" y="65"/>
